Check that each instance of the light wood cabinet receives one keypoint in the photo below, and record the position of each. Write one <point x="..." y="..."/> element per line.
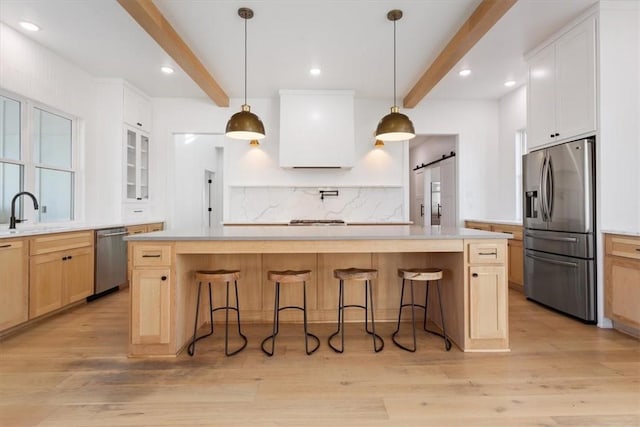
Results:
<point x="561" y="95"/>
<point x="152" y="300"/>
<point x="478" y="225"/>
<point x="61" y="271"/>
<point x="622" y="282"/>
<point x="139" y="229"/>
<point x="515" y="260"/>
<point x="14" y="285"/>
<point x="487" y="295"/>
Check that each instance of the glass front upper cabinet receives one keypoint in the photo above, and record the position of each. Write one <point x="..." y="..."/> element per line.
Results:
<point x="137" y="165"/>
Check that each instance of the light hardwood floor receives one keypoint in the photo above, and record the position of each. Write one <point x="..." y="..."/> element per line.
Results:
<point x="73" y="371"/>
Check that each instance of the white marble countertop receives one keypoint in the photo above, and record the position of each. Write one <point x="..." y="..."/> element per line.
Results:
<point x="498" y="221"/>
<point x="364" y="232"/>
<point x="622" y="233"/>
<point x="24" y="230"/>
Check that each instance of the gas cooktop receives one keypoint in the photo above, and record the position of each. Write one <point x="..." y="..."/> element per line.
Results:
<point x="316" y="222"/>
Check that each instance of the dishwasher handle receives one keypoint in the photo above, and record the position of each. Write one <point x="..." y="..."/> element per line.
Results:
<point x="112" y="234"/>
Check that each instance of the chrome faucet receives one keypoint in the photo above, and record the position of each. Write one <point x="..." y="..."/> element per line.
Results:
<point x="13" y="221"/>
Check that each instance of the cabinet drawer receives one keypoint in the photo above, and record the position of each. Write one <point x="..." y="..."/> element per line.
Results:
<point x="136" y="229"/>
<point x="624" y="246"/>
<point x="486" y="253"/>
<point x="478" y="225"/>
<point x="511" y="229"/>
<point x="155" y="227"/>
<point x="151" y="255"/>
<point x="60" y="242"/>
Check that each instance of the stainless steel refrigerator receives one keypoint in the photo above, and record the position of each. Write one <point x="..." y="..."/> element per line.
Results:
<point x="559" y="222"/>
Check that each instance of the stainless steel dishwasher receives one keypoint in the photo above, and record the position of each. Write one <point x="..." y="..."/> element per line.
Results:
<point x="111" y="260"/>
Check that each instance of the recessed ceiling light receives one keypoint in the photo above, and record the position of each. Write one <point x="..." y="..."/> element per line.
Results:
<point x="465" y="72"/>
<point x="166" y="70"/>
<point x="315" y="71"/>
<point x="510" y="83"/>
<point x="29" y="26"/>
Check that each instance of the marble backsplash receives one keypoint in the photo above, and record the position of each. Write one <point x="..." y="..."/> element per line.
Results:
<point x="281" y="204"/>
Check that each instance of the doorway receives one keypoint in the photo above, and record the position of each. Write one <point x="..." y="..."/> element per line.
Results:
<point x="433" y="187"/>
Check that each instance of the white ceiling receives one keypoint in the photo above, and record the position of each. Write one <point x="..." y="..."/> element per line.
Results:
<point x="350" y="40"/>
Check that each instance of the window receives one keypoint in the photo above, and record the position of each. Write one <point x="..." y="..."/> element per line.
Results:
<point x="36" y="155"/>
<point x="11" y="165"/>
<point x="52" y="149"/>
<point x="520" y="150"/>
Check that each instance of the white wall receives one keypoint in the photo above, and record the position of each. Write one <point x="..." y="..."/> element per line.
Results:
<point x="193" y="154"/>
<point x="619" y="145"/>
<point x="513" y="117"/>
<point x="476" y="123"/>
<point x="35" y="72"/>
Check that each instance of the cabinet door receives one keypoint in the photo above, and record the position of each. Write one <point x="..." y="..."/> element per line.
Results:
<point x="77" y="275"/>
<point x="516" y="262"/>
<point x="541" y="123"/>
<point x="150" y="306"/>
<point x="136" y="170"/>
<point x="14" y="287"/>
<point x="487" y="302"/>
<point x="45" y="284"/>
<point x="622" y="290"/>
<point x="576" y="81"/>
<point x="137" y="110"/>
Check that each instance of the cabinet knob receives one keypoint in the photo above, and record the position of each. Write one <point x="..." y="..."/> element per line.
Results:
<point x="557" y="134"/>
<point x="552" y="135"/>
<point x="69" y="257"/>
<point x="139" y="124"/>
<point x="163" y="278"/>
<point x="64" y="258"/>
<point x="474" y="275"/>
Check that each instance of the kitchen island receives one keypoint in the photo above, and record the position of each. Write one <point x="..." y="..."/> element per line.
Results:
<point x="163" y="293"/>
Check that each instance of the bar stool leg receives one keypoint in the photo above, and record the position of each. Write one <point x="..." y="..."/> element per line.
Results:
<point x="340" y="320"/>
<point x="373" y="322"/>
<point x="237" y="309"/>
<point x="447" y="343"/>
<point x="307" y="334"/>
<point x="192" y="346"/>
<point x="276" y="320"/>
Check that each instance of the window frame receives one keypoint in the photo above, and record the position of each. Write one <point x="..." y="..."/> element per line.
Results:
<point x="30" y="166"/>
<point x="520" y="149"/>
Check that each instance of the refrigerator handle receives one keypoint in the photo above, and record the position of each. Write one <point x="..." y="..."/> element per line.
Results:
<point x="550" y="188"/>
<point x="543" y="184"/>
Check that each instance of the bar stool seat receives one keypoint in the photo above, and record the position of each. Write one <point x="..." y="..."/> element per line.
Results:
<point x="210" y="277"/>
<point x="360" y="274"/>
<point x="286" y="277"/>
<point x="426" y="275"/>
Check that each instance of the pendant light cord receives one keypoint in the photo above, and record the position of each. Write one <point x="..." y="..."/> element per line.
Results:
<point x="245" y="61"/>
<point x="394" y="64"/>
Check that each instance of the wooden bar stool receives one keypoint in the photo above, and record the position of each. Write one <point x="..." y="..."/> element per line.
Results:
<point x="283" y="277"/>
<point x="366" y="275"/>
<point x="218" y="276"/>
<point x="426" y="275"/>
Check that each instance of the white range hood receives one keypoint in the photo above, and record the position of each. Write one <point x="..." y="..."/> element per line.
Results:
<point x="316" y="129"/>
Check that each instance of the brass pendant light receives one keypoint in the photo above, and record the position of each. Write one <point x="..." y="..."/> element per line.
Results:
<point x="244" y="124"/>
<point x="395" y="126"/>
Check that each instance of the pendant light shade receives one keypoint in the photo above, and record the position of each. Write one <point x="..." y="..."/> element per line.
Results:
<point x="395" y="126"/>
<point x="245" y="124"/>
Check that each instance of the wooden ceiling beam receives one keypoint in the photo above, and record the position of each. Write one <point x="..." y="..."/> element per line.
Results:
<point x="479" y="23"/>
<point x="149" y="17"/>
